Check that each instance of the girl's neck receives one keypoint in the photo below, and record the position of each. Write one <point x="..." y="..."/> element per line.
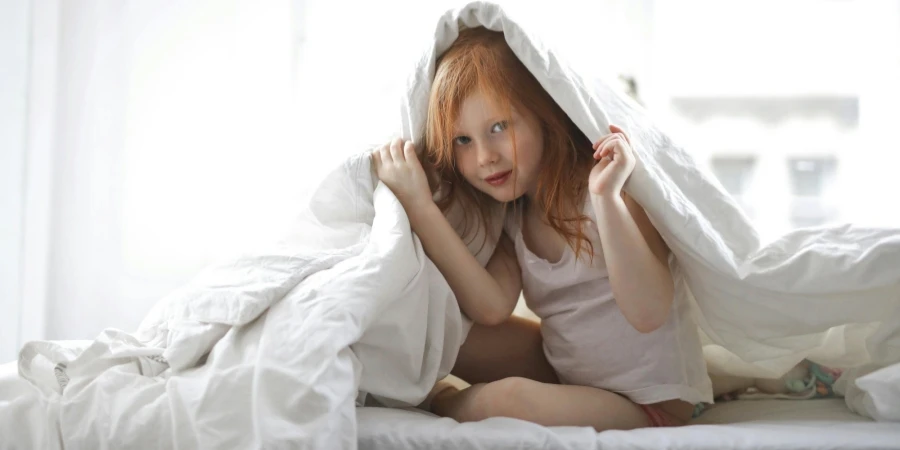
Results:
<point x="531" y="195"/>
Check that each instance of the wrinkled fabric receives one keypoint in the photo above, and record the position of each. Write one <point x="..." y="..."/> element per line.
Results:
<point x="275" y="349"/>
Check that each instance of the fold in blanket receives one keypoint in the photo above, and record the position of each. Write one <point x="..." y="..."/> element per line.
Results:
<point x="276" y="348"/>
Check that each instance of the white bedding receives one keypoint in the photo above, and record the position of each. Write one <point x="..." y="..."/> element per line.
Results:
<point x="277" y="347"/>
<point x="741" y="425"/>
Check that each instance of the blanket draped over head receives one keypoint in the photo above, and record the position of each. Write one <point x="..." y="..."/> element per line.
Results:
<point x="280" y="345"/>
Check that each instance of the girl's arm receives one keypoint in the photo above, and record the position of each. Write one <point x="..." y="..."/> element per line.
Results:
<point x="487" y="295"/>
<point x="636" y="256"/>
<point x="637" y="261"/>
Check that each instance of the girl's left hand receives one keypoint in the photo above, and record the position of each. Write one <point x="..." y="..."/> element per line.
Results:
<point x="615" y="162"/>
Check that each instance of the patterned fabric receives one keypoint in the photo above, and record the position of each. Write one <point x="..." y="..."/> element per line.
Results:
<point x="699" y="408"/>
<point x="824" y="379"/>
<point x="817" y="382"/>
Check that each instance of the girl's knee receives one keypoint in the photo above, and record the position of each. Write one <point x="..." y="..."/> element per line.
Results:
<point x="509" y="397"/>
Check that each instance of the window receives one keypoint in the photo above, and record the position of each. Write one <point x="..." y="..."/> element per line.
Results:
<point x="810" y="176"/>
<point x="736" y="173"/>
<point x="810" y="179"/>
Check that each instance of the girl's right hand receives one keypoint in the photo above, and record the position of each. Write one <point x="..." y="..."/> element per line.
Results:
<point x="398" y="167"/>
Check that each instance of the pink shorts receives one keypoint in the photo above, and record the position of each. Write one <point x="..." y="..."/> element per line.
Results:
<point x="658" y="417"/>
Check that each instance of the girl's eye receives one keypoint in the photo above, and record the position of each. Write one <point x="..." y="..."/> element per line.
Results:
<point x="499" y="126"/>
<point x="461" y="140"/>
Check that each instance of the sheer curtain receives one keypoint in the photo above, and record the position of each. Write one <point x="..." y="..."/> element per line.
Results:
<point x="157" y="136"/>
<point x="143" y="140"/>
<point x="13" y="82"/>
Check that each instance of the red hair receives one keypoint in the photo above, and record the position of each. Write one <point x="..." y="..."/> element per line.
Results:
<point x="480" y="60"/>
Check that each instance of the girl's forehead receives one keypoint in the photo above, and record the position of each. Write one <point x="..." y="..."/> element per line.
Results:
<point x="479" y="104"/>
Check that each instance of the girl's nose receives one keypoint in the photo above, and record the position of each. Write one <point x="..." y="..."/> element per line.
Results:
<point x="486" y="155"/>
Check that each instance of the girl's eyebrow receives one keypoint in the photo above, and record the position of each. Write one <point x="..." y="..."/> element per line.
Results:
<point x="489" y="122"/>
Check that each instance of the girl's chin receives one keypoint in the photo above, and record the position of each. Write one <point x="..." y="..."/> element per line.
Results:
<point x="505" y="195"/>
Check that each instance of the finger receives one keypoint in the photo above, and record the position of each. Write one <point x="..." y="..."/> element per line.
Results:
<point x="397" y="150"/>
<point x="618" y="130"/>
<point x="622" y="147"/>
<point x="376" y="157"/>
<point x="599" y="150"/>
<point x="614" y="132"/>
<point x="600" y="141"/>
<point x="384" y="154"/>
<point x="603" y="153"/>
<point x="409" y="151"/>
<point x="609" y="149"/>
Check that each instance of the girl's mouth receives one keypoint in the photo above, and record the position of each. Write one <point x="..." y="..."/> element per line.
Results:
<point x="499" y="178"/>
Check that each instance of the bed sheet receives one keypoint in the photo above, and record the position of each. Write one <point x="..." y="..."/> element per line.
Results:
<point x="740" y="425"/>
<point x="24" y="417"/>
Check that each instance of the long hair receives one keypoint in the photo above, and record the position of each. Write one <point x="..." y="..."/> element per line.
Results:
<point x="480" y="60"/>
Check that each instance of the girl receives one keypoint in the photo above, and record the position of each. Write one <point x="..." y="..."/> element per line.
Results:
<point x="591" y="264"/>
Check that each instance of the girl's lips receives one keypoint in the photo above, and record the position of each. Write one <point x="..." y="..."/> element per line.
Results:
<point x="498" y="179"/>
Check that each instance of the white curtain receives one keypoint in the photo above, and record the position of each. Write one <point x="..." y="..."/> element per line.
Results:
<point x="14" y="30"/>
<point x="143" y="140"/>
<point x="157" y="136"/>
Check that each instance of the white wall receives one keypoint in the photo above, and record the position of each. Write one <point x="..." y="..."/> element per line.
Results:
<point x="14" y="32"/>
<point x="876" y="156"/>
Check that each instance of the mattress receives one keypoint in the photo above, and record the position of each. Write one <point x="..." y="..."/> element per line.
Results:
<point x="743" y="425"/>
<point x="739" y="425"/>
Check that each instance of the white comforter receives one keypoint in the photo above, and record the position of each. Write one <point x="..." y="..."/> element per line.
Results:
<point x="277" y="348"/>
<point x="348" y="302"/>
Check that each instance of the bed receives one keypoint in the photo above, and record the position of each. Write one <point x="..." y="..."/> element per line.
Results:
<point x="738" y="425"/>
<point x="271" y="349"/>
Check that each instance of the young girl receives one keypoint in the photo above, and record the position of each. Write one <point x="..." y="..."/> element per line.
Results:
<point x="591" y="264"/>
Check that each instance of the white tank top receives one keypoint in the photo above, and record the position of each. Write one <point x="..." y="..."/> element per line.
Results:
<point x="589" y="342"/>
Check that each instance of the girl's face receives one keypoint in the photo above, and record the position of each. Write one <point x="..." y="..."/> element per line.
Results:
<point x="483" y="146"/>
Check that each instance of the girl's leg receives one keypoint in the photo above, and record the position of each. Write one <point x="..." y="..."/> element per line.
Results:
<point x="726" y="384"/>
<point x="511" y="349"/>
<point x="542" y="403"/>
<point x="490" y="353"/>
